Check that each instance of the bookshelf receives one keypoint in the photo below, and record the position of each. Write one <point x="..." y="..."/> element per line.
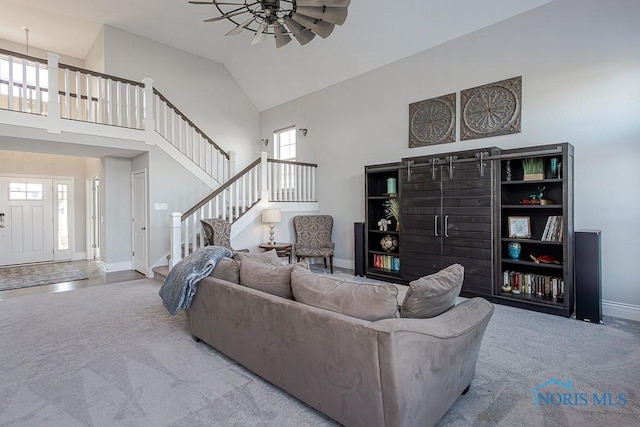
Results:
<point x="382" y="246"/>
<point x="536" y="215"/>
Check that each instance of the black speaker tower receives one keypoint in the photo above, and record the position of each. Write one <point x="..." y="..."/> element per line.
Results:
<point x="588" y="276"/>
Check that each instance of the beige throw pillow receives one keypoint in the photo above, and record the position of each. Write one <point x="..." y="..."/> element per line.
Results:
<point x="364" y="301"/>
<point x="270" y="257"/>
<point x="227" y="269"/>
<point x="275" y="280"/>
<point x="432" y="295"/>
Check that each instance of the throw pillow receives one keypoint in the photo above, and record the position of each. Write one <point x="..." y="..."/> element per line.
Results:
<point x="270" y="257"/>
<point x="432" y="295"/>
<point x="364" y="301"/>
<point x="227" y="269"/>
<point x="275" y="280"/>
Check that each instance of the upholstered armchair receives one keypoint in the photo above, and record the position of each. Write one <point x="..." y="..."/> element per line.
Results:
<point x="313" y="237"/>
<point x="217" y="232"/>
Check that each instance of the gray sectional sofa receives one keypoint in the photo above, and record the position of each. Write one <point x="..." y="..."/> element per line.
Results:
<point x="394" y="372"/>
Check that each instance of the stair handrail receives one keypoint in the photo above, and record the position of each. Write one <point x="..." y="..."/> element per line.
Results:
<point x="220" y="189"/>
<point x="189" y="122"/>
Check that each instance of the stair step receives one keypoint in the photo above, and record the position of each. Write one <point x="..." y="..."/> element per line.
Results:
<point x="160" y="273"/>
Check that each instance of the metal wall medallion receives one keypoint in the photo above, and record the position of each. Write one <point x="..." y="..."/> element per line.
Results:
<point x="432" y="121"/>
<point x="491" y="110"/>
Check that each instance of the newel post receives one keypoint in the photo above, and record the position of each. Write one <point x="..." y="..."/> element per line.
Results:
<point x="174" y="239"/>
<point x="148" y="122"/>
<point x="53" y="104"/>
<point x="264" y="176"/>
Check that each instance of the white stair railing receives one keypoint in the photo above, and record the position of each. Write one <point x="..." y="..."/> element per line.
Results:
<point x="24" y="83"/>
<point x="176" y="128"/>
<point x="277" y="180"/>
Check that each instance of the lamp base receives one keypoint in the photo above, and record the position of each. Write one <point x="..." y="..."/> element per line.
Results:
<point x="271" y="235"/>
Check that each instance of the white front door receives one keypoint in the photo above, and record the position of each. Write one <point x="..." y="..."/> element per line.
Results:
<point x="26" y="220"/>
<point x="140" y="221"/>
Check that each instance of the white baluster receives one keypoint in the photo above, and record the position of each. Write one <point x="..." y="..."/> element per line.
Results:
<point x="38" y="90"/>
<point x="175" y="240"/>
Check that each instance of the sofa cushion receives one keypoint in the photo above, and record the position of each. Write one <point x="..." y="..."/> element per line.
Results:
<point x="432" y="295"/>
<point x="364" y="301"/>
<point x="270" y="257"/>
<point x="227" y="269"/>
<point x="275" y="280"/>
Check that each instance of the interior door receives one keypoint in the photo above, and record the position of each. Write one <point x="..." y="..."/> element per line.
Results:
<point x="26" y="220"/>
<point x="140" y="221"/>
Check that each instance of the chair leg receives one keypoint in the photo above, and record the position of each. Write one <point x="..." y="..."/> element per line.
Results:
<point x="331" y="262"/>
<point x="325" y="262"/>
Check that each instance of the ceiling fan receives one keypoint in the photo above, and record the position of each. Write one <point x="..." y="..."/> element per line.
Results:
<point x="281" y="18"/>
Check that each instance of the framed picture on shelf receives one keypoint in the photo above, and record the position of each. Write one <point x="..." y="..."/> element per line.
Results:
<point x="519" y="227"/>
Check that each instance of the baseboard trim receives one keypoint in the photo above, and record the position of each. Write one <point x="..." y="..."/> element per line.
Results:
<point x="119" y="266"/>
<point x="619" y="309"/>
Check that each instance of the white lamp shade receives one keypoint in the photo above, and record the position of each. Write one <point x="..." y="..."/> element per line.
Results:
<point x="271" y="216"/>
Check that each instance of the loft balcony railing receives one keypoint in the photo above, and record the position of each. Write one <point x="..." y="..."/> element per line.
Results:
<point x="26" y="85"/>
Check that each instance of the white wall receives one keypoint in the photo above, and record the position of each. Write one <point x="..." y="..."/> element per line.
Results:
<point x="49" y="165"/>
<point x="95" y="58"/>
<point x="115" y="216"/>
<point x="201" y="89"/>
<point x="580" y="66"/>
<point x="168" y="183"/>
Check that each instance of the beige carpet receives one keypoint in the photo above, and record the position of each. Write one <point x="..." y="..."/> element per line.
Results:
<point x="111" y="355"/>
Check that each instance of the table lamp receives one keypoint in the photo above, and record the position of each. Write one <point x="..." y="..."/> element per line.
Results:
<point x="271" y="216"/>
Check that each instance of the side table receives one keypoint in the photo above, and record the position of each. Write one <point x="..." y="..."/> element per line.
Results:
<point x="282" y="249"/>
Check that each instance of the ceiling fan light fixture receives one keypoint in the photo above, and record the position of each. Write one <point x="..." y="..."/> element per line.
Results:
<point x="281" y="18"/>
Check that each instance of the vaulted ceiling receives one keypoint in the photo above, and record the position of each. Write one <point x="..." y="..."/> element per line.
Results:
<point x="376" y="33"/>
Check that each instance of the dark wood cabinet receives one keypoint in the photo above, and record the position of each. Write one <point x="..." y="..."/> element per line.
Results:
<point x="460" y="208"/>
<point x="446" y="217"/>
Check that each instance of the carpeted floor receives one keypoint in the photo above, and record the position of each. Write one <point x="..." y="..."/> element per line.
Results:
<point x="38" y="274"/>
<point x="112" y="355"/>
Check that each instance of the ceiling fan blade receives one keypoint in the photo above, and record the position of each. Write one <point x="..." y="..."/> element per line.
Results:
<point x="225" y="16"/>
<point x="215" y="2"/>
<point x="237" y="30"/>
<point x="282" y="38"/>
<point x="321" y="28"/>
<point x="333" y="15"/>
<point x="302" y="34"/>
<point x="328" y="3"/>
<point x="260" y="35"/>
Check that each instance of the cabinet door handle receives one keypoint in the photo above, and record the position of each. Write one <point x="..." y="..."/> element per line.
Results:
<point x="435" y="225"/>
<point x="446" y="226"/>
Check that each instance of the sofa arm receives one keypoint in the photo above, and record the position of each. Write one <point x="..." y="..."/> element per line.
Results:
<point x="425" y="364"/>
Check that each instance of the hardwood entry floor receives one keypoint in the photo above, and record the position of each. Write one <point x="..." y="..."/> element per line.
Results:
<point x="96" y="277"/>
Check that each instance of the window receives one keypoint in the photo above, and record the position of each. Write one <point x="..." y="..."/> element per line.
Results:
<point x="285" y="144"/>
<point x="25" y="191"/>
<point x="63" y="217"/>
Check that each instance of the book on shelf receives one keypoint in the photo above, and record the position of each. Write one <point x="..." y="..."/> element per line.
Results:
<point x="553" y="229"/>
<point x="386" y="262"/>
<point x="534" y="284"/>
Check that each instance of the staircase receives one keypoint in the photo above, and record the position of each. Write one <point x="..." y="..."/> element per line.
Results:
<point x="267" y="180"/>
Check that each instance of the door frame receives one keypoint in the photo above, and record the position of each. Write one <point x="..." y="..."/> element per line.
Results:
<point x="145" y="267"/>
<point x="57" y="179"/>
<point x="92" y="221"/>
